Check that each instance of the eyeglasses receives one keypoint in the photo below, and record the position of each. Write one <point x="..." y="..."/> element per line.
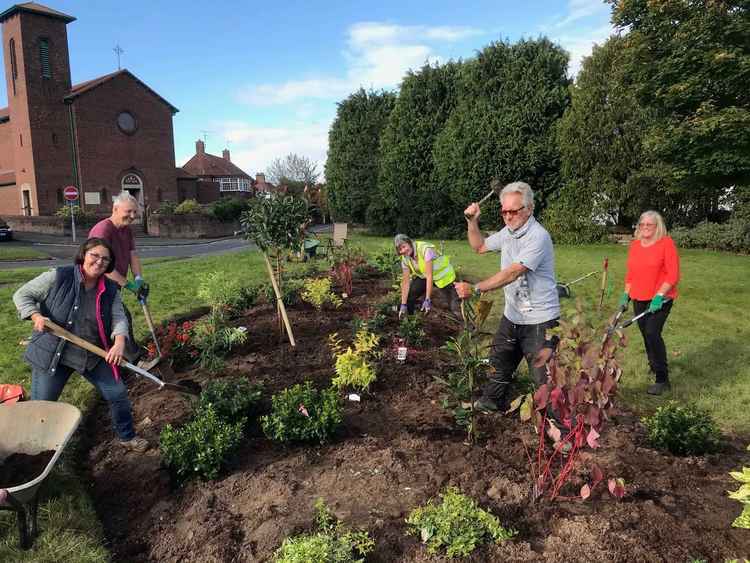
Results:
<point x="647" y="224"/>
<point x="98" y="258"/>
<point x="511" y="212"/>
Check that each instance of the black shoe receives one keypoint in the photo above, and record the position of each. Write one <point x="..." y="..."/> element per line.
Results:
<point x="487" y="406"/>
<point x="658" y="388"/>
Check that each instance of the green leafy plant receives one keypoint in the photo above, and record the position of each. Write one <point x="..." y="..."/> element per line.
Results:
<point x="457" y="525"/>
<point x="176" y="343"/>
<point x="331" y="542"/>
<point x="742" y="495"/>
<point x="682" y="430"/>
<point x="290" y="292"/>
<point x="317" y="292"/>
<point x="188" y="206"/>
<point x="213" y="341"/>
<point x="469" y="365"/>
<point x="82" y="217"/>
<point x="166" y="207"/>
<point x="232" y="398"/>
<point x="202" y="446"/>
<point x="355" y="365"/>
<point x="229" y="209"/>
<point x="411" y="330"/>
<point x="275" y="224"/>
<point x="371" y="319"/>
<point x="219" y="293"/>
<point x="303" y="414"/>
<point x="384" y="260"/>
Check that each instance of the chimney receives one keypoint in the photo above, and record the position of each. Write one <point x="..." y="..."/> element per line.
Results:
<point x="200" y="147"/>
<point x="260" y="178"/>
<point x="225" y="155"/>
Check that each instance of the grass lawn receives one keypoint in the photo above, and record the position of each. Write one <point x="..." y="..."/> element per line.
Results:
<point x="10" y="251"/>
<point x="704" y="338"/>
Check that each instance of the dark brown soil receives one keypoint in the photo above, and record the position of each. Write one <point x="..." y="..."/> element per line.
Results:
<point x="397" y="449"/>
<point x="18" y="469"/>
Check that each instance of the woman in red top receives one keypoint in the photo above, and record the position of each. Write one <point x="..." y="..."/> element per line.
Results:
<point x="653" y="270"/>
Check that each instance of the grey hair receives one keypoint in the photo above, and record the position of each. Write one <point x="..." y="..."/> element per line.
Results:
<point x="399" y="239"/>
<point x="520" y="188"/>
<point x="124" y="197"/>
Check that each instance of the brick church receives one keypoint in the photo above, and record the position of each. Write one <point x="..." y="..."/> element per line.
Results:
<point x="102" y="136"/>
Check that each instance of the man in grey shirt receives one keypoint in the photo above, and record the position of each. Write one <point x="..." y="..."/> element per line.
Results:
<point x="527" y="276"/>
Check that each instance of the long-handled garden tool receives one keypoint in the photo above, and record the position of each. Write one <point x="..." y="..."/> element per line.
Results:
<point x="496" y="187"/>
<point x="613" y="326"/>
<point x="563" y="289"/>
<point x="183" y="386"/>
<point x="142" y="297"/>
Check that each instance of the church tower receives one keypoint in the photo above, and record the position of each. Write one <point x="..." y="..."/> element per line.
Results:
<point x="37" y="74"/>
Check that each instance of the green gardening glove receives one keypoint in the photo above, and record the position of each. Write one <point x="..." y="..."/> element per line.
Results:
<point x="132" y="286"/>
<point x="624" y="300"/>
<point x="656" y="303"/>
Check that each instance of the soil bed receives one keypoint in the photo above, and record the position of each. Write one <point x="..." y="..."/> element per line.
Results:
<point x="397" y="449"/>
<point x="18" y="469"/>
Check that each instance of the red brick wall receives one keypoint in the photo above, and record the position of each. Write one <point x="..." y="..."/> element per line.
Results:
<point x="106" y="154"/>
<point x="38" y="115"/>
<point x="193" y="225"/>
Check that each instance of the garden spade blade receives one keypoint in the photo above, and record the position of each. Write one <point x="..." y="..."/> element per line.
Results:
<point x="184" y="386"/>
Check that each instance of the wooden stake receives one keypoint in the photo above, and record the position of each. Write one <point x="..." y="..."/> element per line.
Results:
<point x="279" y="301"/>
<point x="604" y="281"/>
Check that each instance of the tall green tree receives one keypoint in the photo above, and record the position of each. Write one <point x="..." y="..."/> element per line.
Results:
<point x="690" y="62"/>
<point x="351" y="169"/>
<point x="603" y="161"/>
<point x="509" y="99"/>
<point x="408" y="200"/>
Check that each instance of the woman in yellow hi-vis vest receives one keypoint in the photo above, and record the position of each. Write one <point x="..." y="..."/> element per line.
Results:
<point x="424" y="269"/>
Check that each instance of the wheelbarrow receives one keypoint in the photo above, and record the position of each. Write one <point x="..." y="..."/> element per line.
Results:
<point x="30" y="428"/>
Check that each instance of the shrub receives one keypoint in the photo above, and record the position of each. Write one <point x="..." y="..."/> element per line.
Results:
<point x="568" y="223"/>
<point x="732" y="236"/>
<point x="354" y="366"/>
<point x="743" y="495"/>
<point x="219" y="293"/>
<point x="81" y="216"/>
<point x="303" y="414"/>
<point x="457" y="525"/>
<point x="290" y="292"/>
<point x="228" y="209"/>
<point x="213" y="341"/>
<point x="370" y="319"/>
<point x="682" y="430"/>
<point x="166" y="207"/>
<point x="232" y="398"/>
<point x="317" y="292"/>
<point x="188" y="206"/>
<point x="176" y="343"/>
<point x="410" y="329"/>
<point x="332" y="542"/>
<point x="384" y="260"/>
<point x="200" y="447"/>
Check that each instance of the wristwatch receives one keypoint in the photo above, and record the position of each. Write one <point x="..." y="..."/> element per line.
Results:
<point x="477" y="291"/>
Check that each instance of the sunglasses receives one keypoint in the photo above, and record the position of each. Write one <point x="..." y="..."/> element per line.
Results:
<point x="511" y="212"/>
<point x="99" y="258"/>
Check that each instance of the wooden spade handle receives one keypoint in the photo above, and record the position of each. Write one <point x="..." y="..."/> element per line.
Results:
<point x="77" y="340"/>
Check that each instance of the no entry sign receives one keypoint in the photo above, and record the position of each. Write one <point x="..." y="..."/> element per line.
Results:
<point x="70" y="193"/>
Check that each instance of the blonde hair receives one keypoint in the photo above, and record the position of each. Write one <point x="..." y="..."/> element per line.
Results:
<point x="661" y="228"/>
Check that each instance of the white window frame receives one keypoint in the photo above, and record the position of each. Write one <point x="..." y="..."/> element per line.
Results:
<point x="233" y="184"/>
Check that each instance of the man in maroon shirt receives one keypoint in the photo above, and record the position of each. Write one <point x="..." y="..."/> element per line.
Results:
<point x="116" y="230"/>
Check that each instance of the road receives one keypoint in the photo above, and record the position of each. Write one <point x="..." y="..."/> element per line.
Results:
<point x="62" y="253"/>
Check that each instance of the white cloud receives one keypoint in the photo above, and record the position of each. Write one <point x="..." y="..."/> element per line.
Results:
<point x="591" y="19"/>
<point x="254" y="148"/>
<point x="377" y="56"/>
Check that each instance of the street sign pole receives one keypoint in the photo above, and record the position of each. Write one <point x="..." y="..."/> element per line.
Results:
<point x="71" y="195"/>
<point x="72" y="220"/>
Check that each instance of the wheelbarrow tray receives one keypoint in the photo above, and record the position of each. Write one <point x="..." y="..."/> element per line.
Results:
<point x="33" y="427"/>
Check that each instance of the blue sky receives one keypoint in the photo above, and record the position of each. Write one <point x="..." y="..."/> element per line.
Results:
<point x="263" y="78"/>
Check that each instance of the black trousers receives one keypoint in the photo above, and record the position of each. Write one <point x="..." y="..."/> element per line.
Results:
<point x="133" y="351"/>
<point x="651" y="326"/>
<point x="418" y="288"/>
<point x="511" y="344"/>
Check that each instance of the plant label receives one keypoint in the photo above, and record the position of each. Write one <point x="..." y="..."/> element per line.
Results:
<point x="401" y="354"/>
<point x="354" y="397"/>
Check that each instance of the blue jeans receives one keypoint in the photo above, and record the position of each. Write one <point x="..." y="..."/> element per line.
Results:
<point x="48" y="388"/>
